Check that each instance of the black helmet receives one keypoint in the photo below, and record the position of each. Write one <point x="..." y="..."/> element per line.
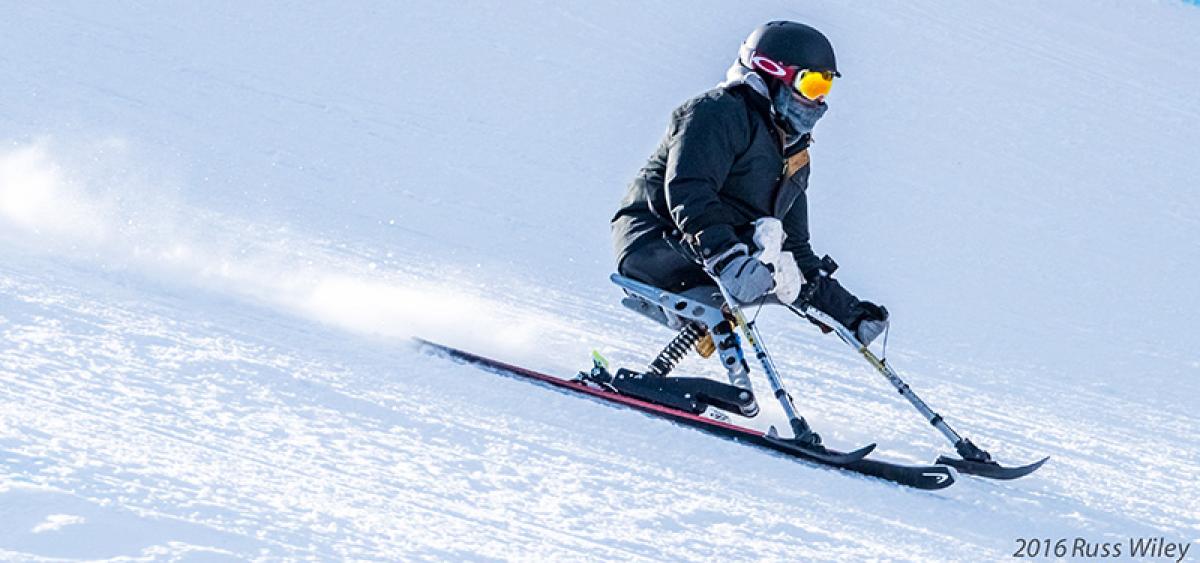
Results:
<point x="787" y="44"/>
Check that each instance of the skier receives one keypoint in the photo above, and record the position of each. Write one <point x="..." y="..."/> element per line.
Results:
<point x="723" y="196"/>
<point x="717" y="217"/>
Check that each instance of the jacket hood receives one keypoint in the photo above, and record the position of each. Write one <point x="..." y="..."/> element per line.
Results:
<point x="739" y="74"/>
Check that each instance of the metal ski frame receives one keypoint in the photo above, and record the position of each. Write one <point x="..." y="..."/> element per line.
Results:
<point x="710" y="315"/>
<point x="974" y="460"/>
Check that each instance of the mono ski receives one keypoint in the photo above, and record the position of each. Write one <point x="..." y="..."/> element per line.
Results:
<point x="928" y="477"/>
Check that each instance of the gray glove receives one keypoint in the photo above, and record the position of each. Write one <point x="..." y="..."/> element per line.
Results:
<point x="745" y="278"/>
<point x="873" y="322"/>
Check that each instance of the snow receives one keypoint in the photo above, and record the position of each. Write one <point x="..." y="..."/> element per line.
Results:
<point x="55" y="522"/>
<point x="221" y="224"/>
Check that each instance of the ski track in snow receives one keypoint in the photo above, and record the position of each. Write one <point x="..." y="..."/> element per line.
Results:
<point x="208" y="290"/>
<point x="152" y="421"/>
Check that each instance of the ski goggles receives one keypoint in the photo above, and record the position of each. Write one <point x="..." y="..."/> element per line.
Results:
<point x="812" y="84"/>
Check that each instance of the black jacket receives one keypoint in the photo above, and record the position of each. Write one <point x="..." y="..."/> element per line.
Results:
<point x="720" y="167"/>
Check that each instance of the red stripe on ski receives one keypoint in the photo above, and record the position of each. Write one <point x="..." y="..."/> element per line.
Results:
<point x="606" y="395"/>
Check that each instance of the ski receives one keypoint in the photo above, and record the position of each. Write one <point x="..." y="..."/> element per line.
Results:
<point x="991" y="469"/>
<point x="929" y="477"/>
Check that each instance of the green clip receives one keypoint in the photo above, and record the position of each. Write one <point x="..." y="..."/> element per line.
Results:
<point x="599" y="360"/>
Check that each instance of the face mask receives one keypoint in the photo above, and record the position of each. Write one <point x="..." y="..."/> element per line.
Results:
<point x="798" y="116"/>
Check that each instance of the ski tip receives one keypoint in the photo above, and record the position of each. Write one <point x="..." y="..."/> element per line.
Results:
<point x="425" y="345"/>
<point x="863" y="451"/>
<point x="1033" y="466"/>
<point x="992" y="470"/>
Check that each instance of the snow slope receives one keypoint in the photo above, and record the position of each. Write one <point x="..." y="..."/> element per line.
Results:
<point x="221" y="222"/>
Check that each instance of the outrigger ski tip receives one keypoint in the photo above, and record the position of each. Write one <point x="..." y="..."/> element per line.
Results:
<point x="991" y="469"/>
<point x="977" y="461"/>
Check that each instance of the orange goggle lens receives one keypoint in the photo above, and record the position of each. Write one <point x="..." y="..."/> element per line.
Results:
<point x="812" y="84"/>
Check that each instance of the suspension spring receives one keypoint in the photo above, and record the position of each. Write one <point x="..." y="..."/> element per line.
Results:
<point x="675" y="350"/>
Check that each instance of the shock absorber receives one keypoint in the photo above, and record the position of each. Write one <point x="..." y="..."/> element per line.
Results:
<point x="675" y="350"/>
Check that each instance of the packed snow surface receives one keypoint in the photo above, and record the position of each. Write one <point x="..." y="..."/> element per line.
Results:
<point x="221" y="223"/>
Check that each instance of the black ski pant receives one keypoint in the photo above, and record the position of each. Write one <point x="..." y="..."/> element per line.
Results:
<point x="661" y="265"/>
